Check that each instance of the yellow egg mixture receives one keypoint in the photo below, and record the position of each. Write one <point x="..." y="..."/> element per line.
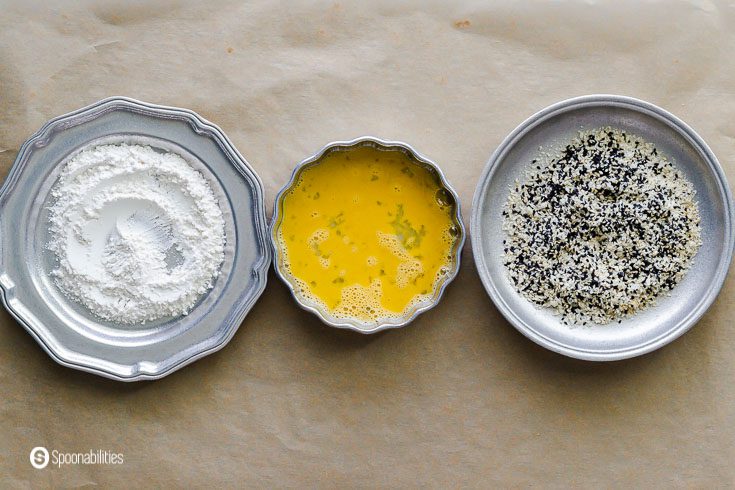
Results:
<point x="367" y="233"/>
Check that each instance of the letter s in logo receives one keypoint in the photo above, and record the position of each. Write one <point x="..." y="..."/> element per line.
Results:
<point x="39" y="457"/>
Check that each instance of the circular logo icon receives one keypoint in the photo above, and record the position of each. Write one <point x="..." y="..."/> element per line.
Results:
<point x="39" y="457"/>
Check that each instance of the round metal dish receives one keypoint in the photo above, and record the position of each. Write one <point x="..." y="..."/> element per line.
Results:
<point x="672" y="315"/>
<point x="379" y="144"/>
<point x="72" y="335"/>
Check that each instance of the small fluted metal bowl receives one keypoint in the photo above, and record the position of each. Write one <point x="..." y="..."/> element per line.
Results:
<point x="353" y="323"/>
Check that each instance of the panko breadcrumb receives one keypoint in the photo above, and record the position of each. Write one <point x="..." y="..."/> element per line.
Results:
<point x="600" y="230"/>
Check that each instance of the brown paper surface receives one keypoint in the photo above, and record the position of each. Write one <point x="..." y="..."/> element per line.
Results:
<point x="457" y="398"/>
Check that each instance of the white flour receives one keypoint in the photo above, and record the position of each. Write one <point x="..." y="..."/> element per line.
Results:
<point x="138" y="233"/>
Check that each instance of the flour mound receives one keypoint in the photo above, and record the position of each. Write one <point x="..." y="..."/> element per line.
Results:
<point x="138" y="233"/>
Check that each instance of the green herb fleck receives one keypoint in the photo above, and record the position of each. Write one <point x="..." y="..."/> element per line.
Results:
<point x="408" y="235"/>
<point x="337" y="220"/>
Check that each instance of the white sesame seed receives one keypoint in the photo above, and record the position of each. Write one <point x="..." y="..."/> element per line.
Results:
<point x="602" y="228"/>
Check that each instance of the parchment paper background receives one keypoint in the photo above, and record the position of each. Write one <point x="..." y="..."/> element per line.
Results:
<point x="458" y="398"/>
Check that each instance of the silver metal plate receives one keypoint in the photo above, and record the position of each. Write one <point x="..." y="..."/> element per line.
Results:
<point x="66" y="330"/>
<point x="672" y="315"/>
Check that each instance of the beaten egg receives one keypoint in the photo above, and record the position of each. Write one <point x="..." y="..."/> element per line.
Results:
<point x="368" y="234"/>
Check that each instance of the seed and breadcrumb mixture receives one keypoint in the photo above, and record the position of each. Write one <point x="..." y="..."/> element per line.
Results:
<point x="600" y="230"/>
